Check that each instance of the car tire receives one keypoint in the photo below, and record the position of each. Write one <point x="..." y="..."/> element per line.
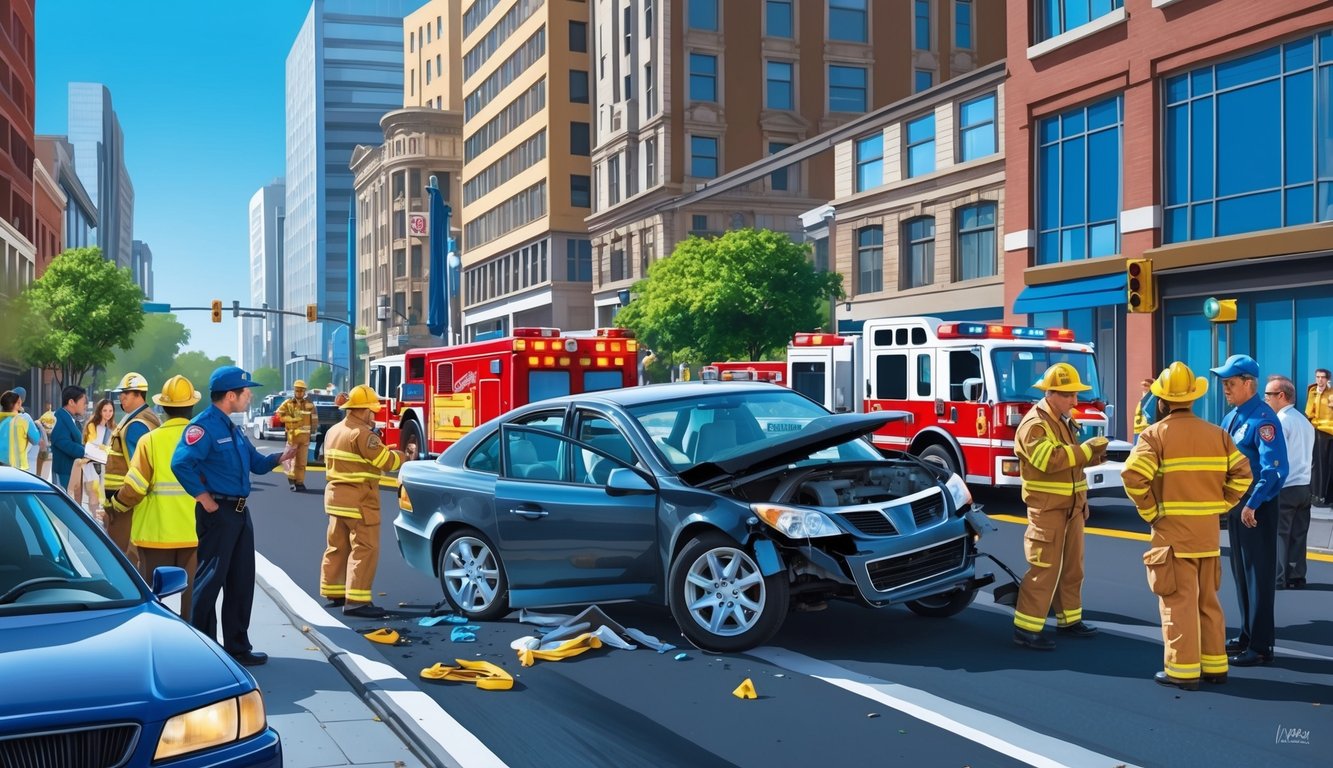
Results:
<point x="411" y="441"/>
<point x="942" y="456"/>
<point x="943" y="606"/>
<point x="473" y="577"/>
<point x="724" y="627"/>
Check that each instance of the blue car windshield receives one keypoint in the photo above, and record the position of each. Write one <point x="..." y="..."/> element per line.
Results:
<point x="52" y="559"/>
<point x="699" y="429"/>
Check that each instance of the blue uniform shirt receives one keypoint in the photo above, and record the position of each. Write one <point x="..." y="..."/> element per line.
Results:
<point x="1258" y="434"/>
<point x="214" y="455"/>
<point x="134" y="432"/>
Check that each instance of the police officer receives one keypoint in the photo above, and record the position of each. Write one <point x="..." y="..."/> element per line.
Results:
<point x="355" y="458"/>
<point x="301" y="420"/>
<point x="1253" y="522"/>
<point x="139" y="419"/>
<point x="1182" y="474"/>
<point x="1051" y="462"/>
<point x="213" y="462"/>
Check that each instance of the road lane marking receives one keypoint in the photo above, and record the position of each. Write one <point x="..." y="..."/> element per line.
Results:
<point x="453" y="739"/>
<point x="988" y="730"/>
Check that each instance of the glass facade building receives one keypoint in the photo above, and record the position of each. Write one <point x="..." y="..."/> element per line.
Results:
<point x="99" y="158"/>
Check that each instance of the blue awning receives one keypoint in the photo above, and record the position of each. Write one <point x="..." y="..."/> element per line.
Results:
<point x="1100" y="291"/>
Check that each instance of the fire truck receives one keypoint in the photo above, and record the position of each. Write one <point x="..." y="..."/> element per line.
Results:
<point x="966" y="384"/>
<point x="435" y="395"/>
<point x="774" y="371"/>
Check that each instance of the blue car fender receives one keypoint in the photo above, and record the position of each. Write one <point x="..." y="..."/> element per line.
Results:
<point x="766" y="552"/>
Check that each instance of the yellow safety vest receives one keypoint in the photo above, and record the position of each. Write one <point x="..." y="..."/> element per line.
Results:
<point x="163" y="511"/>
<point x="18" y="440"/>
<point x="116" y="461"/>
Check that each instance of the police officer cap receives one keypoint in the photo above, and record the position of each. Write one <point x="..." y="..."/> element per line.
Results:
<point x="21" y="392"/>
<point x="1237" y="365"/>
<point x="230" y="377"/>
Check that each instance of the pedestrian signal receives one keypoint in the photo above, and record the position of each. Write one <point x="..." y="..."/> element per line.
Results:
<point x="1219" y="310"/>
<point x="311" y="313"/>
<point x="1139" y="292"/>
<point x="217" y="310"/>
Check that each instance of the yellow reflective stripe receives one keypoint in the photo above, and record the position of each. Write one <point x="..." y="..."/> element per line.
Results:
<point x="1196" y="555"/>
<point x="1080" y="485"/>
<point x="334" y="476"/>
<point x="337" y="453"/>
<point x="1195" y="464"/>
<point x="1041" y="455"/>
<point x="1144" y="465"/>
<point x="1069" y="452"/>
<point x="136" y="481"/>
<point x="1194" y="507"/>
<point x="332" y="590"/>
<point x="1137" y="491"/>
<point x="1150" y="514"/>
<point x="1182" y="671"/>
<point x="1071" y="616"/>
<point x="1213" y="665"/>
<point x="1029" y="623"/>
<point x="382" y="458"/>
<point x="1058" y="489"/>
<point x="358" y="595"/>
<point x="352" y="512"/>
<point x="1234" y="459"/>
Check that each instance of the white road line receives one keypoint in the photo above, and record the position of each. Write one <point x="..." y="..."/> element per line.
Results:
<point x="985" y="729"/>
<point x="454" y="740"/>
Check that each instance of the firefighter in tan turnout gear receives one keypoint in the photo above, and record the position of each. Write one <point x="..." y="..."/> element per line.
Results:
<point x="1051" y="462"/>
<point x="1182" y="474"/>
<point x="301" y="420"/>
<point x="138" y="421"/>
<point x="355" y="459"/>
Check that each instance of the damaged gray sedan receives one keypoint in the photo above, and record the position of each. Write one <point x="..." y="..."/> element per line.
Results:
<point x="729" y="502"/>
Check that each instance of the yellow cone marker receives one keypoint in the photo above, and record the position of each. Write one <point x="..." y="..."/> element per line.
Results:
<point x="745" y="690"/>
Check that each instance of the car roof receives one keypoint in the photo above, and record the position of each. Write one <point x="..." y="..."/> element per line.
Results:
<point x="12" y="479"/>
<point x="656" y="393"/>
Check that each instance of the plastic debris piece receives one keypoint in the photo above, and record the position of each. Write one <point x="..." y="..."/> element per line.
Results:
<point x="779" y="675"/>
<point x="873" y="714"/>
<point x="461" y="634"/>
<point x="745" y="690"/>
<point x="484" y="674"/>
<point x="430" y="621"/>
<point x="385" y="636"/>
<point x="681" y="656"/>
<point x="454" y="618"/>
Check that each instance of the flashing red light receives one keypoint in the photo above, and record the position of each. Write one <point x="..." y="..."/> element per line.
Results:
<point x="535" y="333"/>
<point x="817" y="340"/>
<point x="615" y="333"/>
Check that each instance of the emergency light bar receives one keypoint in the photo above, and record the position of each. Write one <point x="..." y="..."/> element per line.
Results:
<point x="817" y="340"/>
<point x="531" y="333"/>
<point x="996" y="331"/>
<point x="615" y="333"/>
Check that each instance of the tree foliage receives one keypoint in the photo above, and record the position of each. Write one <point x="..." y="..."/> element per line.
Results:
<point x="198" y="367"/>
<point x="73" y="317"/>
<point x="319" y="378"/>
<point x="152" y="352"/>
<point x="269" y="378"/>
<point x="738" y="296"/>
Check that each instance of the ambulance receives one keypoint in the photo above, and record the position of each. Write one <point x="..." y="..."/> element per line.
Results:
<point x="774" y="371"/>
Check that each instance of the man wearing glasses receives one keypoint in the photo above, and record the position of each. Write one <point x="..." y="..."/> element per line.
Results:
<point x="1294" y="500"/>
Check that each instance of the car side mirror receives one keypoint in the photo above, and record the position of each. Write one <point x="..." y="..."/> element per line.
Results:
<point x="169" y="580"/>
<point x="626" y="482"/>
<point x="973" y="390"/>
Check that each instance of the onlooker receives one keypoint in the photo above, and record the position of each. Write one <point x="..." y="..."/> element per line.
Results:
<point x="1294" y="501"/>
<point x="16" y="433"/>
<point x="85" y="482"/>
<point x="37" y="446"/>
<point x="66" y="439"/>
<point x="1319" y="409"/>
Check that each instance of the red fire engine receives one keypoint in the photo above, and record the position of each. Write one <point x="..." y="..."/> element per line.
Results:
<point x="746" y="370"/>
<point x="435" y="395"/>
<point x="966" y="384"/>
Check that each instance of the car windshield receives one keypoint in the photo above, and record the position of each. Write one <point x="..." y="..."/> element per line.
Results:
<point x="1019" y="370"/>
<point x="705" y="428"/>
<point x="51" y="558"/>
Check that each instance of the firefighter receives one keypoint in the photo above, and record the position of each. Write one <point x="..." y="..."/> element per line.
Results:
<point x="299" y="416"/>
<point x="1182" y="474"/>
<point x="1051" y="463"/>
<point x="138" y="421"/>
<point x="354" y="458"/>
<point x="163" y="531"/>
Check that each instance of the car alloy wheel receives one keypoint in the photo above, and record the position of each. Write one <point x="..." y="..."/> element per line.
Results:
<point x="720" y="598"/>
<point x="473" y="577"/>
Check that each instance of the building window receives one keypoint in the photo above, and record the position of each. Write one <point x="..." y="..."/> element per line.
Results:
<point x="847" y="20"/>
<point x="921" y="145"/>
<point x="821" y="254"/>
<point x="1078" y="183"/>
<point x="846" y="89"/>
<point x="703" y="156"/>
<point x="649" y="93"/>
<point x="976" y="128"/>
<point x="703" y="15"/>
<point x="778" y="180"/>
<point x="962" y="24"/>
<point x="627" y="21"/>
<point x="922" y="79"/>
<point x="617" y="271"/>
<point x="580" y="191"/>
<point x="578" y="260"/>
<point x="778" y="88"/>
<point x="869" y="162"/>
<point x="650" y="162"/>
<point x="647" y="18"/>
<point x="613" y="179"/>
<point x="976" y="241"/>
<point x="777" y="18"/>
<point x="703" y="77"/>
<point x="627" y="91"/>
<point x="918" y="261"/>
<point x="921" y="25"/>
<point x="578" y="86"/>
<point x="1057" y="16"/>
<point x="580" y="142"/>
<point x="699" y="223"/>
<point x="578" y="36"/>
<point x="870" y="260"/>
<point x="1249" y="142"/>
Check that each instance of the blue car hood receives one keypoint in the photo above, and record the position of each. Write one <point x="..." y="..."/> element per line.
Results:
<point x="138" y="663"/>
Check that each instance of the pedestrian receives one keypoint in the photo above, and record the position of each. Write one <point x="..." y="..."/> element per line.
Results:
<point x="1182" y="474"/>
<point x="301" y="420"/>
<point x="45" y="423"/>
<point x="1293" y="500"/>
<point x="66" y="437"/>
<point x="1319" y="409"/>
<point x="36" y="447"/>
<point x="85" y="483"/>
<point x="1051" y="462"/>
<point x="1145" y="413"/>
<point x="137" y="422"/>
<point x="16" y="433"/>
<point x="1252" y="523"/>
<point x="213" y="462"/>
<point x="355" y="459"/>
<point x="163" y="531"/>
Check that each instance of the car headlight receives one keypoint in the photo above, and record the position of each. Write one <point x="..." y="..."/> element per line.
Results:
<point x="794" y="522"/>
<point x="960" y="493"/>
<point x="404" y="503"/>
<point x="212" y="726"/>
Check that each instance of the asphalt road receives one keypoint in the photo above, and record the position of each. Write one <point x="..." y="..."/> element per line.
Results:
<point x="852" y="686"/>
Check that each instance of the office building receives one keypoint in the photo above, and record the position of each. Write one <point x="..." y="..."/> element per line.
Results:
<point x="99" y="156"/>
<point x="141" y="267"/>
<point x="57" y="155"/>
<point x="261" y="337"/>
<point x="433" y="56"/>
<point x="18" y="252"/>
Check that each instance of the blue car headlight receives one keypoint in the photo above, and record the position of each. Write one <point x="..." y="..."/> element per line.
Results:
<point x="222" y="722"/>
<point x="959" y="492"/>
<point x="795" y="522"/>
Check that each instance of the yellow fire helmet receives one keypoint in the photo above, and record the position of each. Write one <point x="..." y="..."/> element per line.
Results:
<point x="362" y="396"/>
<point x="133" y="382"/>
<point x="1178" y="384"/>
<point x="178" y="392"/>
<point x="298" y="384"/>
<point x="1061" y="377"/>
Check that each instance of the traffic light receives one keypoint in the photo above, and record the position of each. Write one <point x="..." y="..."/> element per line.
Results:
<point x="1140" y="295"/>
<point x="311" y="313"/>
<point x="217" y="310"/>
<point x="1219" y="310"/>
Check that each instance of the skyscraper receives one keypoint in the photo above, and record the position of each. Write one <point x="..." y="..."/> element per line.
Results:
<point x="261" y="338"/>
<point x="99" y="157"/>
<point x="141" y="267"/>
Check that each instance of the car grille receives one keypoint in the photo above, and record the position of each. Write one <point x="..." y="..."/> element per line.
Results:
<point x="871" y="522"/>
<point x="927" y="510"/>
<point x="104" y="746"/>
<point x="895" y="572"/>
<point x="1120" y="456"/>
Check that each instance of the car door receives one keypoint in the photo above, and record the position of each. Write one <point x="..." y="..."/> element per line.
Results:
<point x="563" y="536"/>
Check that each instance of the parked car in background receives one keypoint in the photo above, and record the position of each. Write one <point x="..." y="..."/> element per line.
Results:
<point x="263" y="422"/>
<point x="730" y="502"/>
<point x="329" y="414"/>
<point x="99" y="671"/>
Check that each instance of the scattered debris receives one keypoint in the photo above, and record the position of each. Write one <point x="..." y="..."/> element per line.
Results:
<point x="779" y="675"/>
<point x="873" y="714"/>
<point x="464" y="633"/>
<point x="682" y="656"/>
<point x="593" y="619"/>
<point x="745" y="690"/>
<point x="484" y="674"/>
<point x="530" y="648"/>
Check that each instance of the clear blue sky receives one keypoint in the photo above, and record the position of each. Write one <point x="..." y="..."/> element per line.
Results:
<point x="199" y="90"/>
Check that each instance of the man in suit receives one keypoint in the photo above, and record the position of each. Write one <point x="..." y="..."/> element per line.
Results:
<point x="66" y="438"/>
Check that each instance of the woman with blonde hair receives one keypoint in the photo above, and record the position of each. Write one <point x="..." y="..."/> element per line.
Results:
<point x="85" y="480"/>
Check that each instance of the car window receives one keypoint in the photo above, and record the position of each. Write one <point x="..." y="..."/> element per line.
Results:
<point x="534" y="454"/>
<point x="486" y="456"/>
<point x="613" y="449"/>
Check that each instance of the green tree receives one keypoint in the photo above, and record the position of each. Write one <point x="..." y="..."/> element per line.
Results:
<point x="198" y="367"/>
<point x="152" y="353"/>
<point x="319" y="378"/>
<point x="738" y="296"/>
<point x="270" y="378"/>
<point x="73" y="317"/>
